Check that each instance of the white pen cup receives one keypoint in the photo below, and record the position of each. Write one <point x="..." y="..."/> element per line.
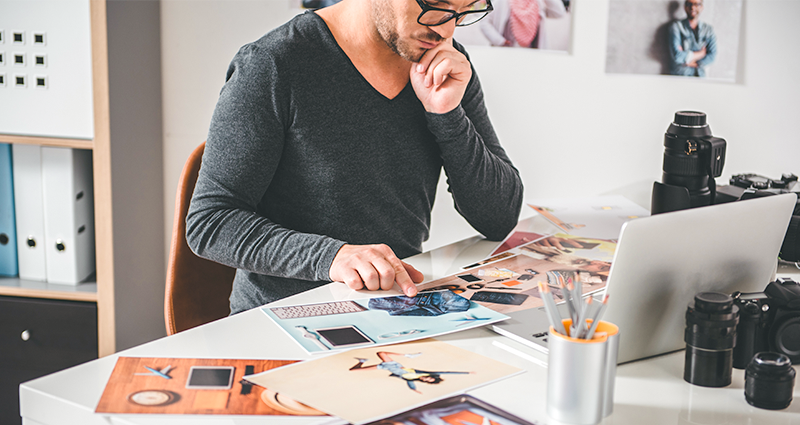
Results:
<point x="581" y="375"/>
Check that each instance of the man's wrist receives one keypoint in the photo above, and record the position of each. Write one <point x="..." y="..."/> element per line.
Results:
<point x="443" y="125"/>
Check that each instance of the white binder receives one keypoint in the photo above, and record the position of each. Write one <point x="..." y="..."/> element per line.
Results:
<point x="68" y="214"/>
<point x="29" y="207"/>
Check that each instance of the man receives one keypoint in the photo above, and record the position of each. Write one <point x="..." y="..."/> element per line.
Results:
<point x="327" y="143"/>
<point x="693" y="45"/>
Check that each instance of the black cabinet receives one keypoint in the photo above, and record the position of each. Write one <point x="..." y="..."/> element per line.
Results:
<point x="39" y="337"/>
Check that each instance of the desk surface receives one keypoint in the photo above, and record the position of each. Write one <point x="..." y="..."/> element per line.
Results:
<point x="650" y="391"/>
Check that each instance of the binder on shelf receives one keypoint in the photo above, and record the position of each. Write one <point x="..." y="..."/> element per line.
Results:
<point x="68" y="214"/>
<point x="29" y="207"/>
<point x="8" y="230"/>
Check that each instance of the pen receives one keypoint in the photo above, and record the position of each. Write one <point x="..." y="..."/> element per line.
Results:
<point x="550" y="308"/>
<point x="596" y="319"/>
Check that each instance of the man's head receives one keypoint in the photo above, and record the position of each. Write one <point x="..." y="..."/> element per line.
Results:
<point x="398" y="23"/>
<point x="693" y="8"/>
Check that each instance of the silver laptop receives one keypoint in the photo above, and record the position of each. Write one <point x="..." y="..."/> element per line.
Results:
<point x="662" y="261"/>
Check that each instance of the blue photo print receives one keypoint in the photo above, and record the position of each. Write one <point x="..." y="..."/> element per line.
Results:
<point x="339" y="325"/>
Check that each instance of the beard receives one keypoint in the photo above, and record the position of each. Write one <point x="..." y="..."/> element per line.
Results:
<point x="386" y="25"/>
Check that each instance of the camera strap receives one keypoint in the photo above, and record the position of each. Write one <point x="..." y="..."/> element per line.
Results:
<point x="712" y="185"/>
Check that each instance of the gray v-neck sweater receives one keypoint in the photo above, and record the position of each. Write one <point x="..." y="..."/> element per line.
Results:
<point x="304" y="155"/>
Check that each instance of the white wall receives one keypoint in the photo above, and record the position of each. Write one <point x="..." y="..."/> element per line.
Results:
<point x="571" y="129"/>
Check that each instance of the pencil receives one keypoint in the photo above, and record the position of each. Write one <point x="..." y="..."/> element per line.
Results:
<point x="578" y="288"/>
<point x="596" y="319"/>
<point x="550" y="308"/>
<point x="569" y="288"/>
<point x="582" y="329"/>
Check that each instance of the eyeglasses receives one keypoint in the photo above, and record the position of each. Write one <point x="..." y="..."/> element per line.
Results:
<point x="433" y="16"/>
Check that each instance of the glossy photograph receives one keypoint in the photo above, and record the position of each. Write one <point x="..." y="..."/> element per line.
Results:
<point x="511" y="284"/>
<point x="152" y="385"/>
<point x="368" y="384"/>
<point x="340" y="325"/>
<point x="458" y="410"/>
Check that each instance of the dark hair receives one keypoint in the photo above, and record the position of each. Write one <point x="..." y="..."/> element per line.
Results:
<point x="436" y="378"/>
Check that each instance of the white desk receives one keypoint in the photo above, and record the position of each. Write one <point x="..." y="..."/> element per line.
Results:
<point x="647" y="392"/>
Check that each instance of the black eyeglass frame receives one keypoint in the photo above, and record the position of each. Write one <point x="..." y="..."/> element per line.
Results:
<point x="453" y="15"/>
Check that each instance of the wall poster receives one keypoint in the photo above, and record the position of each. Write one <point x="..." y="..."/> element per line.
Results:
<point x="688" y="38"/>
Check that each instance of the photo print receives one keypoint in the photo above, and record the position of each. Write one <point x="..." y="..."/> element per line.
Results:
<point x="367" y="384"/>
<point x="532" y="24"/>
<point x="512" y="282"/>
<point x="684" y="38"/>
<point x="346" y="324"/>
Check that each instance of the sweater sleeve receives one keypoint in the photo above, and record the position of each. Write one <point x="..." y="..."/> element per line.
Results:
<point x="487" y="189"/>
<point x="243" y="149"/>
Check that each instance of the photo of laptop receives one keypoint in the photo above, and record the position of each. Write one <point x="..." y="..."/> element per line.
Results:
<point x="662" y="261"/>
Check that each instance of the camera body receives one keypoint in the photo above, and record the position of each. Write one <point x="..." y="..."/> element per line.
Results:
<point x="768" y="321"/>
<point x="747" y="186"/>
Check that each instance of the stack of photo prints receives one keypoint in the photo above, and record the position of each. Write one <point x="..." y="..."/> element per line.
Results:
<point x="376" y="361"/>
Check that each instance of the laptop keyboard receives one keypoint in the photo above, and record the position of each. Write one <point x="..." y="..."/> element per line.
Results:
<point x="322" y="309"/>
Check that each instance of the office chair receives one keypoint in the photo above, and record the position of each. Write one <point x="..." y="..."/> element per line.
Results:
<point x="197" y="289"/>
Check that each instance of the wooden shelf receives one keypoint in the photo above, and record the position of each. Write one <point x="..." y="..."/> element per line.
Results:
<point x="128" y="184"/>
<point x="16" y="287"/>
<point x="47" y="141"/>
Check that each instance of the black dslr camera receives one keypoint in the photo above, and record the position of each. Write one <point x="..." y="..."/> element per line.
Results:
<point x="749" y="186"/>
<point x="693" y="158"/>
<point x="768" y="321"/>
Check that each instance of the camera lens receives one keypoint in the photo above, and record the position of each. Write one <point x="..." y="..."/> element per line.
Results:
<point x="692" y="158"/>
<point x="710" y="336"/>
<point x="683" y="165"/>
<point x="769" y="381"/>
<point x="787" y="338"/>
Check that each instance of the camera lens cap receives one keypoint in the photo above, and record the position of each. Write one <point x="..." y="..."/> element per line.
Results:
<point x="713" y="302"/>
<point x="690" y="119"/>
<point x="772" y="361"/>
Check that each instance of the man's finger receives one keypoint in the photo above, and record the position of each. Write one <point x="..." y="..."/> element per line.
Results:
<point x="369" y="276"/>
<point x="440" y="71"/>
<point x="353" y="280"/>
<point x="386" y="274"/>
<point x="427" y="57"/>
<point x="403" y="280"/>
<point x="413" y="273"/>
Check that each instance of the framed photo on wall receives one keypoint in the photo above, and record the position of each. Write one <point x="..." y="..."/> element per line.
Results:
<point x="686" y="38"/>
<point x="535" y="24"/>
